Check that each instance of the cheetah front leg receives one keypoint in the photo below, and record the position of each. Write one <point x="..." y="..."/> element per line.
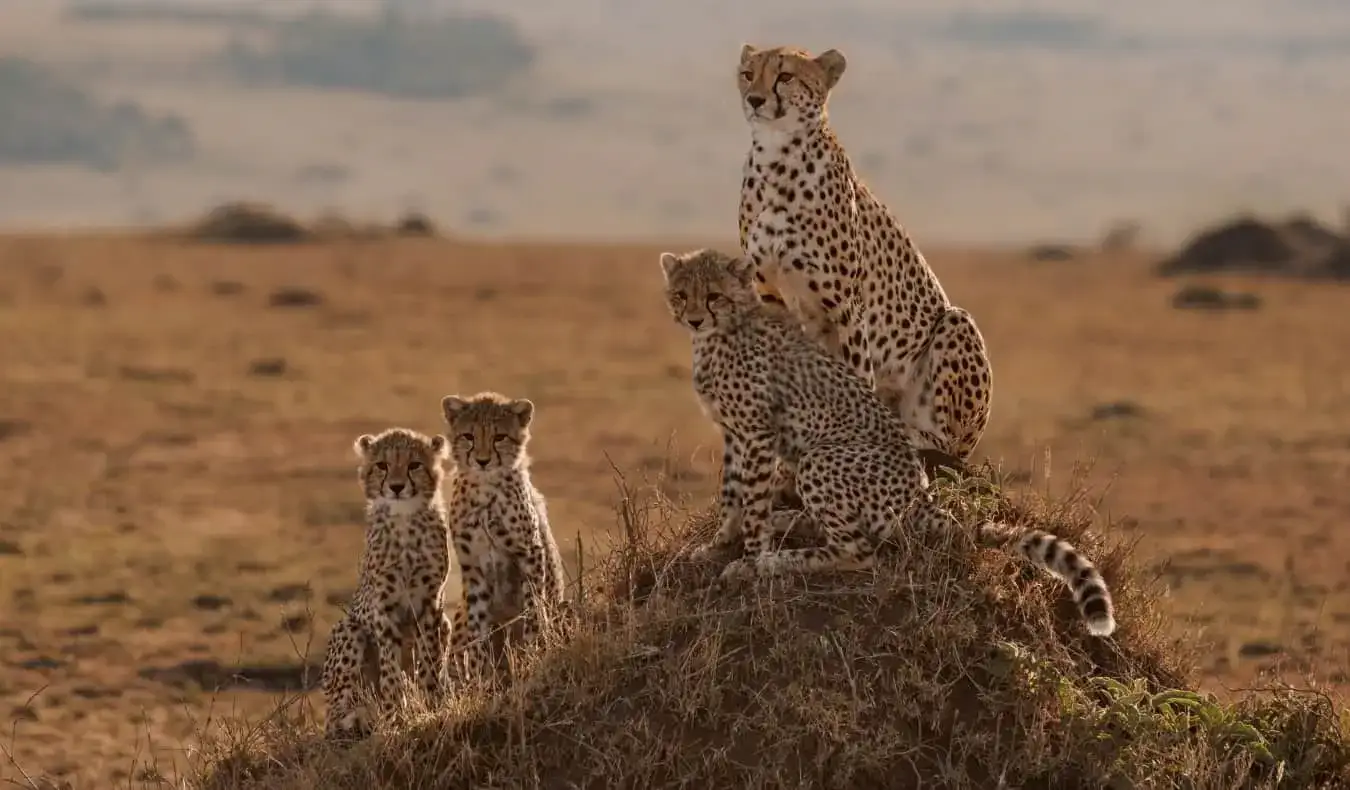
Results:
<point x="729" y="506"/>
<point x="754" y="460"/>
<point x="432" y="643"/>
<point x="341" y="681"/>
<point x="530" y="558"/>
<point x="389" y="653"/>
<point x="469" y="635"/>
<point x="946" y="401"/>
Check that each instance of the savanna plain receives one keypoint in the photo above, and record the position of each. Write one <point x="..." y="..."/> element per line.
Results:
<point x="181" y="518"/>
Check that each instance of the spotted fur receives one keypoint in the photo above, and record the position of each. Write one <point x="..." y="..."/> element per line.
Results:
<point x="776" y="393"/>
<point x="398" y="607"/>
<point x="832" y="252"/>
<point x="508" y="558"/>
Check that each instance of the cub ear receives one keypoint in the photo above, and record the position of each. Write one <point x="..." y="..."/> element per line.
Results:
<point x="832" y="62"/>
<point x="742" y="268"/>
<point x="746" y="52"/>
<point x="524" y="411"/>
<point x="363" y="444"/>
<point x="669" y="261"/>
<point x="440" y="447"/>
<point x="452" y="406"/>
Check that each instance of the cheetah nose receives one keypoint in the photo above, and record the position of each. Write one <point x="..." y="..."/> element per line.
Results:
<point x="483" y="462"/>
<point x="695" y="323"/>
<point x="755" y="102"/>
<point x="397" y="488"/>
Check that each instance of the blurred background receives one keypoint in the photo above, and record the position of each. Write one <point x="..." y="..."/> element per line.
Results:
<point x="982" y="121"/>
<point x="1143" y="205"/>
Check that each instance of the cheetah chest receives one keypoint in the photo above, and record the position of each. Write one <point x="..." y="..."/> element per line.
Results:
<point x="410" y="576"/>
<point x="491" y="527"/>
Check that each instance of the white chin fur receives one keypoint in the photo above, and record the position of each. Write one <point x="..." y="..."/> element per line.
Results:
<point x="403" y="504"/>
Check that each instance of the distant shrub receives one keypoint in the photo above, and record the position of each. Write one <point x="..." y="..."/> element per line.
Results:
<point x="445" y="57"/>
<point x="45" y="119"/>
<point x="248" y="222"/>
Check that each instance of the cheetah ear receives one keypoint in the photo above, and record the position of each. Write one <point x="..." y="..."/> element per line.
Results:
<point x="440" y="447"/>
<point x="523" y="409"/>
<point x="669" y="261"/>
<point x="833" y="63"/>
<point x="742" y="268"/>
<point x="363" y="443"/>
<point x="746" y="52"/>
<point x="452" y="405"/>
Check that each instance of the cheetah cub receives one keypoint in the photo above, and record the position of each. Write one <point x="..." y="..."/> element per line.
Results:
<point x="399" y="597"/>
<point x="509" y="561"/>
<point x="775" y="392"/>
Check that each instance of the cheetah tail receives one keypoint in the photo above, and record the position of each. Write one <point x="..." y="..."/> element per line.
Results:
<point x="1060" y="558"/>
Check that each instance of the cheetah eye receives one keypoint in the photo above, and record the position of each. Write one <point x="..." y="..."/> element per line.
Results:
<point x="786" y="77"/>
<point x="501" y="437"/>
<point x="716" y="299"/>
<point x="414" y="466"/>
<point x="747" y="75"/>
<point x="382" y="466"/>
<point x="468" y="437"/>
<point x="679" y="296"/>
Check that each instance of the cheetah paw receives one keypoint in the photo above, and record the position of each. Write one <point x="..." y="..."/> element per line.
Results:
<point x="739" y="570"/>
<point x="704" y="553"/>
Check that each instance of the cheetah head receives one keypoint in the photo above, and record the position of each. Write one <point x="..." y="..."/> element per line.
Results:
<point x="705" y="289"/>
<point x="400" y="465"/>
<point x="488" y="431"/>
<point x="784" y="88"/>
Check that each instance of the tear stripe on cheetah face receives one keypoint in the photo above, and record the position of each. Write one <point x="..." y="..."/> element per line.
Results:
<point x="777" y="394"/>
<point x="397" y="612"/>
<point x="826" y="247"/>
<point x="509" y="559"/>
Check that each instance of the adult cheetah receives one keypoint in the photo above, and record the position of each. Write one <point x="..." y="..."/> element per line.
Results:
<point x="399" y="599"/>
<point x="830" y="250"/>
<point x="508" y="558"/>
<point x="776" y="393"/>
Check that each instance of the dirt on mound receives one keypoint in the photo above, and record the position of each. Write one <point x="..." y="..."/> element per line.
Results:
<point x="1298" y="247"/>
<point x="946" y="666"/>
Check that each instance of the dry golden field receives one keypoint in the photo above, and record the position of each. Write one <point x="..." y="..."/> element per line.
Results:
<point x="181" y="514"/>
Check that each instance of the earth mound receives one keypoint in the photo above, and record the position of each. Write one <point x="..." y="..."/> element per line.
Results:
<point x="1297" y="247"/>
<point x="946" y="666"/>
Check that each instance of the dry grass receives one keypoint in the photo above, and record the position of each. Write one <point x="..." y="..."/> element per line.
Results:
<point x="945" y="667"/>
<point x="181" y="518"/>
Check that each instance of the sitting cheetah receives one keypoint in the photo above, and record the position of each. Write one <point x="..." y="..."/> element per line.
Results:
<point x="832" y="252"/>
<point x="776" y="393"/>
<point x="399" y="597"/>
<point x="509" y="561"/>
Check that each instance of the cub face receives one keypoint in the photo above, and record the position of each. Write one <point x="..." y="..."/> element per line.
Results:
<point x="488" y="431"/>
<point x="400" y="465"/>
<point x="706" y="288"/>
<point x="784" y="87"/>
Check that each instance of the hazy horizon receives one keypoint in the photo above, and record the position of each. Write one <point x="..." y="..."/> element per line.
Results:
<point x="977" y="123"/>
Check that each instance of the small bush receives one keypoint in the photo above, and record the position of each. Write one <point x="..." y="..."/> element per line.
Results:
<point x="243" y="221"/>
<point x="44" y="119"/>
<point x="446" y="57"/>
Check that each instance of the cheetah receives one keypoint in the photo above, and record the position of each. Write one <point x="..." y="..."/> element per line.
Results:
<point x="776" y="393"/>
<point x="508" y="558"/>
<point x="826" y="247"/>
<point x="399" y="600"/>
